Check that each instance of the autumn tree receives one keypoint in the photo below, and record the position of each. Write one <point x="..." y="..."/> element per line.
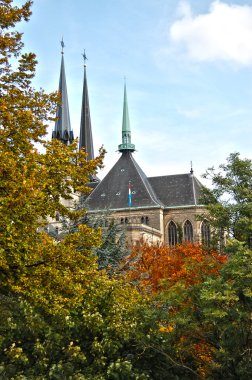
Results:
<point x="172" y="277"/>
<point x="33" y="183"/>
<point x="153" y="266"/>
<point x="60" y="316"/>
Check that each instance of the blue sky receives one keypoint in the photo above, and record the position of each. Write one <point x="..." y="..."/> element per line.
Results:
<point x="188" y="66"/>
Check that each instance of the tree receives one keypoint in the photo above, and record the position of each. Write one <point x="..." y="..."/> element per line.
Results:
<point x="113" y="248"/>
<point x="179" y="343"/>
<point x="226" y="306"/>
<point x="152" y="266"/>
<point x="33" y="183"/>
<point x="62" y="317"/>
<point x="229" y="203"/>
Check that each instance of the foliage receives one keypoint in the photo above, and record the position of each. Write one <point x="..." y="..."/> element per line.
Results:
<point x="230" y="202"/>
<point x="33" y="184"/>
<point x="152" y="266"/>
<point x="227" y="307"/>
<point x="172" y="276"/>
<point x="201" y="311"/>
<point x="95" y="340"/>
<point x="113" y="248"/>
<point x="62" y="318"/>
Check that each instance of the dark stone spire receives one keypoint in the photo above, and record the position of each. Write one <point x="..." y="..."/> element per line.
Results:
<point x="62" y="130"/>
<point x="86" y="139"/>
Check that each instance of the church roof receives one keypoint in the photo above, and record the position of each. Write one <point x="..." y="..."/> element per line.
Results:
<point x="112" y="192"/>
<point x="126" y="180"/>
<point x="179" y="190"/>
<point x="62" y="130"/>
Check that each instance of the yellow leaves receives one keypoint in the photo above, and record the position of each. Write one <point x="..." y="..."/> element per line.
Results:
<point x="166" y="329"/>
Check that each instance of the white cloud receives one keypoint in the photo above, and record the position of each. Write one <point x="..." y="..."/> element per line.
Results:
<point x="224" y="33"/>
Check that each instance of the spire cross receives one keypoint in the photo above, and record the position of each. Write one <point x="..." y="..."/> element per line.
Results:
<point x="62" y="46"/>
<point x="84" y="57"/>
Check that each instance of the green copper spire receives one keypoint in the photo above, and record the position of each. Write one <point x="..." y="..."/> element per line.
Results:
<point x="126" y="133"/>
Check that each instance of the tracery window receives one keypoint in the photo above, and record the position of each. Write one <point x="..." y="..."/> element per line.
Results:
<point x="172" y="234"/>
<point x="188" y="231"/>
<point x="205" y="232"/>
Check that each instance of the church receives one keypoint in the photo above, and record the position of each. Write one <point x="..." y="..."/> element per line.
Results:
<point x="161" y="209"/>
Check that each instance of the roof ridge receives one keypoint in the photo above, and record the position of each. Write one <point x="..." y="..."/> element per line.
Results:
<point x="149" y="187"/>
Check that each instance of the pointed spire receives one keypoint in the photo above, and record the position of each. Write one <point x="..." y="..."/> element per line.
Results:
<point x="86" y="139"/>
<point x="126" y="132"/>
<point x="62" y="130"/>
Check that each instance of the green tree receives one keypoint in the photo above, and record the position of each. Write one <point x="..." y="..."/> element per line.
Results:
<point x="113" y="249"/>
<point x="229" y="203"/>
<point x="226" y="309"/>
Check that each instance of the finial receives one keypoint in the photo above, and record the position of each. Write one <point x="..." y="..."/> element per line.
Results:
<point x="191" y="171"/>
<point x="62" y="46"/>
<point x="85" y="58"/>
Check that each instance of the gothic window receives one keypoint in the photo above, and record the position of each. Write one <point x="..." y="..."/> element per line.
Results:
<point x="205" y="232"/>
<point x="122" y="220"/>
<point x="147" y="220"/>
<point x="142" y="220"/>
<point x="172" y="234"/>
<point x="188" y="231"/>
<point x="126" y="220"/>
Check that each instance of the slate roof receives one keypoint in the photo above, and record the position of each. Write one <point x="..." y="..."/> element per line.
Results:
<point x="170" y="191"/>
<point x="177" y="190"/>
<point x="112" y="192"/>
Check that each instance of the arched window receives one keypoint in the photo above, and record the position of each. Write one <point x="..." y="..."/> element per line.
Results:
<point x="172" y="234"/>
<point x="147" y="220"/>
<point x="126" y="220"/>
<point x="188" y="231"/>
<point x="142" y="220"/>
<point x="205" y="232"/>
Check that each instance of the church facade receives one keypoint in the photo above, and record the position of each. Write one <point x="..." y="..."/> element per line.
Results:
<point x="163" y="209"/>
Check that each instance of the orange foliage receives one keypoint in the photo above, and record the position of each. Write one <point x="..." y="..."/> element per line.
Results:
<point x="152" y="266"/>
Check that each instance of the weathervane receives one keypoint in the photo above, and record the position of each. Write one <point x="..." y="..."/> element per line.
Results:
<point x="84" y="57"/>
<point x="62" y="46"/>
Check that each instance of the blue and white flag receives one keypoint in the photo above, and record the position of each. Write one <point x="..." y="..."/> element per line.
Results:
<point x="130" y="196"/>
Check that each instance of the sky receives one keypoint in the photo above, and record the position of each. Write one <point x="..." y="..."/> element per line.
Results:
<point x="187" y="64"/>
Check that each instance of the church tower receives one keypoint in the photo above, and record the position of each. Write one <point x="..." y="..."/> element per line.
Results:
<point x="62" y="130"/>
<point x="86" y="139"/>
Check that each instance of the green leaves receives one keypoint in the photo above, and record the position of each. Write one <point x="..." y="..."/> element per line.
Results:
<point x="230" y="202"/>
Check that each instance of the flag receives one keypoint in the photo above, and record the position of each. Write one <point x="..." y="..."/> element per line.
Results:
<point x="130" y="196"/>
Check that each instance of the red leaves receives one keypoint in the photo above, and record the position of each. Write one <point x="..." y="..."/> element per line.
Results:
<point x="158" y="266"/>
